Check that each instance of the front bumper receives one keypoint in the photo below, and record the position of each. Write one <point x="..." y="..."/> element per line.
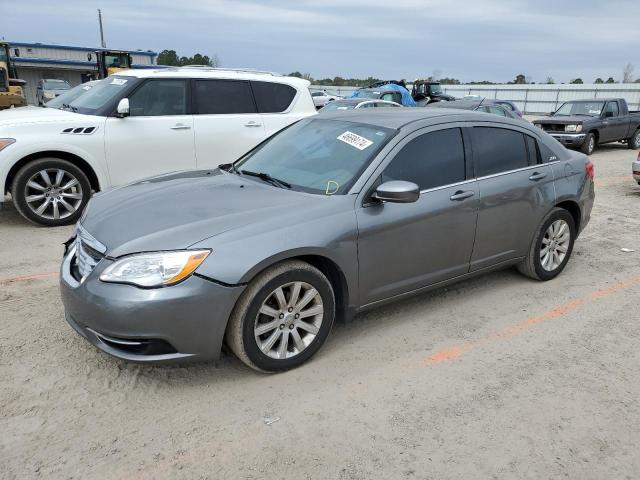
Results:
<point x="635" y="170"/>
<point x="569" y="139"/>
<point x="182" y="322"/>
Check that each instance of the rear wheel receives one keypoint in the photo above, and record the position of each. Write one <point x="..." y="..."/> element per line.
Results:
<point x="283" y="317"/>
<point x="589" y="144"/>
<point x="551" y="248"/>
<point x="51" y="192"/>
<point x="634" y="142"/>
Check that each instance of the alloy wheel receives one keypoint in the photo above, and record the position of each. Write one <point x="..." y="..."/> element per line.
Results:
<point x="555" y="245"/>
<point x="288" y="320"/>
<point x="53" y="193"/>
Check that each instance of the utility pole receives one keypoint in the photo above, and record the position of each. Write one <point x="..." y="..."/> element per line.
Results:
<point x="104" y="45"/>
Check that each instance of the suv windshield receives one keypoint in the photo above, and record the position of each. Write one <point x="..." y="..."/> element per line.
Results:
<point x="71" y="95"/>
<point x="592" y="109"/>
<point x="435" y="89"/>
<point x="56" y="85"/>
<point x="104" y="92"/>
<point x="318" y="156"/>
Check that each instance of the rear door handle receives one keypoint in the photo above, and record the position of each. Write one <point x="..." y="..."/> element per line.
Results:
<point x="537" y="176"/>
<point x="180" y="126"/>
<point x="461" y="195"/>
<point x="252" y="124"/>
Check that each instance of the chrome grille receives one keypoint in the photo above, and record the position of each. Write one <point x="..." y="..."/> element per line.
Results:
<point x="86" y="258"/>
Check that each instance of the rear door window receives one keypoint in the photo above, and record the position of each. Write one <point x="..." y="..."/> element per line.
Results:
<point x="532" y="150"/>
<point x="498" y="150"/>
<point x="159" y="98"/>
<point x="273" y="97"/>
<point x="431" y="160"/>
<point x="223" y="96"/>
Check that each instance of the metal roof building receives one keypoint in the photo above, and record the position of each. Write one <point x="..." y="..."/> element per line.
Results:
<point x="76" y="65"/>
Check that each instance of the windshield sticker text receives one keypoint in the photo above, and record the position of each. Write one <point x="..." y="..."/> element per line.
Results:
<point x="118" y="81"/>
<point x="355" y="140"/>
<point x="332" y="187"/>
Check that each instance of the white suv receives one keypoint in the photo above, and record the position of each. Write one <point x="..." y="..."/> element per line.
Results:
<point x="137" y="124"/>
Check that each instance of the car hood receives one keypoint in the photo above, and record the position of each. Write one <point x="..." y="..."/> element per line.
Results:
<point x="572" y="119"/>
<point x="30" y="115"/>
<point x="175" y="211"/>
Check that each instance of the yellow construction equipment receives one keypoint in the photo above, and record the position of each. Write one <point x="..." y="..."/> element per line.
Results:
<point x="112" y="61"/>
<point x="11" y="88"/>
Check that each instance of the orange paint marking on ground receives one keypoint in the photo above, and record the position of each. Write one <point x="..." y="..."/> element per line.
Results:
<point x="24" y="278"/>
<point x="515" y="329"/>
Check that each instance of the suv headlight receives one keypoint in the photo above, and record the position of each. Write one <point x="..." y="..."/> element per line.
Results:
<point x="573" y="128"/>
<point x="157" y="269"/>
<point x="5" y="142"/>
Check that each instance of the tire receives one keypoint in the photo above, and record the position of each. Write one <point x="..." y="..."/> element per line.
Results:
<point x="68" y="203"/>
<point x="241" y="334"/>
<point x="589" y="144"/>
<point x="634" y="141"/>
<point x="532" y="266"/>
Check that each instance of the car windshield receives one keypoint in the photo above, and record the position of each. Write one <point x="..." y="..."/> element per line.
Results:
<point x="56" y="85"/>
<point x="3" y="54"/>
<point x="368" y="94"/>
<point x="339" y="106"/>
<point x="318" y="156"/>
<point x="436" y="89"/>
<point x="101" y="94"/>
<point x="67" y="97"/>
<point x="591" y="109"/>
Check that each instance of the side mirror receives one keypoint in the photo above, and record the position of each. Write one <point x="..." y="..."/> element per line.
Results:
<point x="397" y="191"/>
<point x="123" y="108"/>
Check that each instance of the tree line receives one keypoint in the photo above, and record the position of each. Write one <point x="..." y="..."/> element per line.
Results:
<point x="520" y="79"/>
<point x="171" y="58"/>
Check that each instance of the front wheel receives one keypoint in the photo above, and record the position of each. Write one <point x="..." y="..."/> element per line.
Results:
<point x="283" y="317"/>
<point x="551" y="248"/>
<point x="589" y="144"/>
<point x="634" y="142"/>
<point x="51" y="192"/>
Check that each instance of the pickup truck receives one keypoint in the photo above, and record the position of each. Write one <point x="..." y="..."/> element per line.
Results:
<point x="584" y="124"/>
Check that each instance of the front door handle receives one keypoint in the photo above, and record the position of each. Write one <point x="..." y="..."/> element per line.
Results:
<point x="461" y="195"/>
<point x="180" y="126"/>
<point x="252" y="124"/>
<point x="537" y="176"/>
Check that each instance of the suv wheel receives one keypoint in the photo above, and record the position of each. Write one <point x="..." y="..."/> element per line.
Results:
<point x="51" y="192"/>
<point x="551" y="248"/>
<point x="634" y="141"/>
<point x="283" y="317"/>
<point x="589" y="144"/>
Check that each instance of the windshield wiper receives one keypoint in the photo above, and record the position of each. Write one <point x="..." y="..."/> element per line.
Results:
<point x="266" y="177"/>
<point x="69" y="107"/>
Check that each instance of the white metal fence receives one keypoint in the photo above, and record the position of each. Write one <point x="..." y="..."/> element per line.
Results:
<point x="531" y="98"/>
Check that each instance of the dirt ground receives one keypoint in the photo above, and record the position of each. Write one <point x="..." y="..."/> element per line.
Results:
<point x="496" y="377"/>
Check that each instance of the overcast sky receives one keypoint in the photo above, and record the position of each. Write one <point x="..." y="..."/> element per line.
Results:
<point x="465" y="39"/>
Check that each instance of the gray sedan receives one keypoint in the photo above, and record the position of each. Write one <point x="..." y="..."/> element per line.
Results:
<point x="332" y="216"/>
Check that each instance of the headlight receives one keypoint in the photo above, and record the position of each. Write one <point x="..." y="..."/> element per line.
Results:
<point x="49" y="95"/>
<point x="573" y="128"/>
<point x="154" y="269"/>
<point x="5" y="142"/>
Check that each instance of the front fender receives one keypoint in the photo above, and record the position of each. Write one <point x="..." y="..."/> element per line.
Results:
<point x="90" y="148"/>
<point x="238" y="256"/>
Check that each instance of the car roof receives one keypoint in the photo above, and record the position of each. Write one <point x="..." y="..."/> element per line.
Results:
<point x="210" y="72"/>
<point x="397" y="118"/>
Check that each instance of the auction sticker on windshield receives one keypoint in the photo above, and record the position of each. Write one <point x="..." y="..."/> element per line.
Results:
<point x="355" y="140"/>
<point x="118" y="81"/>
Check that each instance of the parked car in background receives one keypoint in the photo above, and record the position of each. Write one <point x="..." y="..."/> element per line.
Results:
<point x="63" y="100"/>
<point x="353" y="103"/>
<point x="320" y="99"/>
<point x="427" y="91"/>
<point x="137" y="124"/>
<point x="50" y="88"/>
<point x="479" y="105"/>
<point x="509" y="105"/>
<point x="332" y="216"/>
<point x="585" y="124"/>
<point x="635" y="169"/>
